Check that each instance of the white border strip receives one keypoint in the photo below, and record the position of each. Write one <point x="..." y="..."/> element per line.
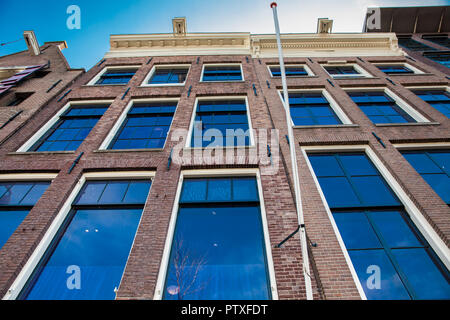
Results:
<point x="222" y="65"/>
<point x="40" y="250"/>
<point x="159" y="289"/>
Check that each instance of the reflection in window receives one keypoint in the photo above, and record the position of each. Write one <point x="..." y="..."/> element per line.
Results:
<point x="71" y="129"/>
<point x="394" y="69"/>
<point x="146" y="126"/>
<point x="87" y="258"/>
<point x="439" y="99"/>
<point x="222" y="73"/>
<point x="16" y="200"/>
<point x="116" y="76"/>
<point x="434" y="167"/>
<point x="291" y="71"/>
<point x="439" y="57"/>
<point x="218" y="249"/>
<point x="390" y="256"/>
<point x="413" y="45"/>
<point x="165" y="75"/>
<point x="380" y="108"/>
<point x="342" y="71"/>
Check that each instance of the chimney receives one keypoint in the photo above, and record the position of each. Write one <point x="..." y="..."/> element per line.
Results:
<point x="32" y="43"/>
<point x="179" y="26"/>
<point x="324" y="25"/>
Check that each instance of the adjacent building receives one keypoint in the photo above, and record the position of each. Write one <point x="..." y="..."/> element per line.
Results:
<point x="164" y="172"/>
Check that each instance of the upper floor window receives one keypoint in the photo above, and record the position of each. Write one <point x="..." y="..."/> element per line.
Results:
<point x="379" y="107"/>
<point x="439" y="57"/>
<point x="167" y="75"/>
<point x="225" y="72"/>
<point x="114" y="75"/>
<point x="145" y="126"/>
<point x="438" y="39"/>
<point x="438" y="98"/>
<point x="291" y="71"/>
<point x="378" y="234"/>
<point x="67" y="130"/>
<point x="346" y="71"/>
<point x="218" y="235"/>
<point x="413" y="45"/>
<point x="16" y="200"/>
<point x="94" y="243"/>
<point x="397" y="68"/>
<point x="313" y="108"/>
<point x="221" y="123"/>
<point x="434" y="167"/>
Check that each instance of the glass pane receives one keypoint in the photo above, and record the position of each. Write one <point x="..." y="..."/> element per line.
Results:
<point x="421" y="162"/>
<point x="219" y="189"/>
<point x="15" y="193"/>
<point x="357" y="164"/>
<point x="440" y="184"/>
<point x="245" y="189"/>
<point x="338" y="192"/>
<point x="35" y="193"/>
<point x="193" y="190"/>
<point x="374" y="191"/>
<point x="374" y="265"/>
<point x="137" y="192"/>
<point x="114" y="192"/>
<point x="422" y="273"/>
<point x="9" y="221"/>
<point x="394" y="229"/>
<point x="97" y="244"/>
<point x="356" y="230"/>
<point x="325" y="165"/>
<point x="225" y="247"/>
<point x="91" y="192"/>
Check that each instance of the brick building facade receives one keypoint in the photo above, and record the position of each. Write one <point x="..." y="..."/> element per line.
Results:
<point x="333" y="66"/>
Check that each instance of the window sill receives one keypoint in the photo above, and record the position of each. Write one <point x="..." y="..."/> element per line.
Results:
<point x="105" y="85"/>
<point x="410" y="74"/>
<point x="350" y="125"/>
<point x="223" y="81"/>
<point x="353" y="78"/>
<point x="295" y="77"/>
<point x="40" y="152"/>
<point x="407" y="124"/>
<point x="163" y="85"/>
<point x="127" y="150"/>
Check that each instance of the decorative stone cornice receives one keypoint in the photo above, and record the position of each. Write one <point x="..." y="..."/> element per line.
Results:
<point x="310" y="45"/>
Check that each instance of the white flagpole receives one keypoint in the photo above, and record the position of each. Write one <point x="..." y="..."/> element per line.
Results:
<point x="298" y="201"/>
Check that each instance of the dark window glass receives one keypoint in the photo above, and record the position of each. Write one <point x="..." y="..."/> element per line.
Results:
<point x="116" y="76"/>
<point x="222" y="73"/>
<point x="413" y="45"/>
<point x="339" y="71"/>
<point x="221" y="123"/>
<point x="16" y="200"/>
<point x="390" y="256"/>
<point x="439" y="99"/>
<point x="380" y="108"/>
<point x="439" y="57"/>
<point x="146" y="126"/>
<point x="311" y="109"/>
<point x="440" y="40"/>
<point x="395" y="69"/>
<point x="71" y="129"/>
<point x="169" y="75"/>
<point x="218" y="249"/>
<point x="291" y="71"/>
<point x="434" y="167"/>
<point x="87" y="257"/>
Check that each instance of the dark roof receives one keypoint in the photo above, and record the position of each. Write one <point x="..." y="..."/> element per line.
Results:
<point x="412" y="20"/>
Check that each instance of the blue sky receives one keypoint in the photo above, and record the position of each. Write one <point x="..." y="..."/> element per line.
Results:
<point x="101" y="18"/>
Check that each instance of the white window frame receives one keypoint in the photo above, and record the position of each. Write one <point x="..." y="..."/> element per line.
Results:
<point x="165" y="66"/>
<point x="213" y="173"/>
<point x="402" y="64"/>
<point x="221" y="65"/>
<point x="362" y="72"/>
<point x="333" y="104"/>
<point x="304" y="66"/>
<point x="27" y="271"/>
<point x="412" y="112"/>
<point x="93" y="81"/>
<point x="416" y="216"/>
<point x="215" y="98"/>
<point x="117" y="125"/>
<point x="49" y="124"/>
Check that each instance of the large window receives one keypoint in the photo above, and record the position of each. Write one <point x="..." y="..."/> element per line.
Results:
<point x="311" y="108"/>
<point x="434" y="167"/>
<point x="146" y="126"/>
<point x="87" y="257"/>
<point x="390" y="256"/>
<point x="16" y="200"/>
<point x="379" y="107"/>
<point x="221" y="123"/>
<point x="115" y="76"/>
<point x="394" y="69"/>
<point x="167" y="75"/>
<point x="413" y="45"/>
<point x="439" y="99"/>
<point x="222" y="73"/>
<point x="71" y="128"/>
<point x="291" y="71"/>
<point x="218" y="248"/>
<point x="439" y="57"/>
<point x="345" y="71"/>
<point x="440" y="40"/>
